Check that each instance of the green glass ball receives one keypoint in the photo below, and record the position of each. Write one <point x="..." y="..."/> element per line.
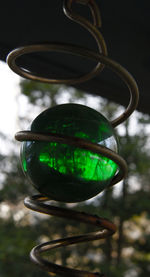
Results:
<point x="64" y="172"/>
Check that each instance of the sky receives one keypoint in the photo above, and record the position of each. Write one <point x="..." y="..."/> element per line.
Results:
<point x="9" y="90"/>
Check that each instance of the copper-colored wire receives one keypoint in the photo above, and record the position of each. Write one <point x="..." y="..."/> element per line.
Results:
<point x="36" y="203"/>
<point x="107" y="228"/>
<point x="81" y="143"/>
<point x="11" y="59"/>
<point x="67" y="48"/>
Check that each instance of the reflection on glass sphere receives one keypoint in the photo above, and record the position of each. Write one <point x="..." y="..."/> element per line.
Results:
<point x="64" y="172"/>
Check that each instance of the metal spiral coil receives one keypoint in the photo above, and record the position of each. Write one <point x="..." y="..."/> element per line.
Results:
<point x="37" y="202"/>
<point x="107" y="228"/>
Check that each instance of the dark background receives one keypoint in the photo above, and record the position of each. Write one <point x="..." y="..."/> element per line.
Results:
<point x="125" y="27"/>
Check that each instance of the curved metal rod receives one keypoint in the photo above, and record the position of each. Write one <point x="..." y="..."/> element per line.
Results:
<point x="92" y="28"/>
<point x="114" y="66"/>
<point x="107" y="228"/>
<point x="81" y="143"/>
<point x="67" y="6"/>
<point x="36" y="202"/>
<point x="18" y="52"/>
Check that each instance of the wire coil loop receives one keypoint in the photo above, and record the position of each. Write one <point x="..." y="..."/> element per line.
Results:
<point x="12" y="57"/>
<point x="107" y="228"/>
<point x="37" y="202"/>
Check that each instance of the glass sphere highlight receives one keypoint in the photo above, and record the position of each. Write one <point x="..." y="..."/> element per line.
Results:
<point x="64" y="172"/>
